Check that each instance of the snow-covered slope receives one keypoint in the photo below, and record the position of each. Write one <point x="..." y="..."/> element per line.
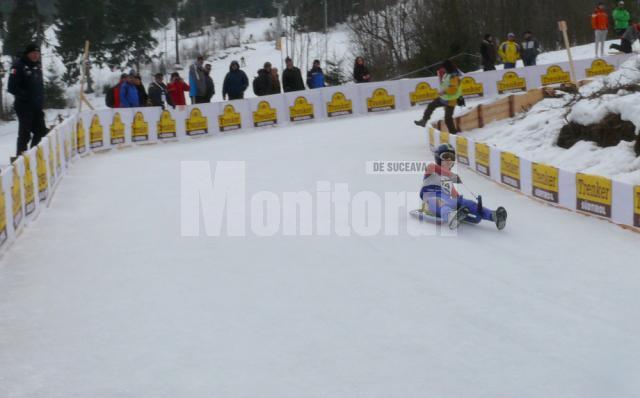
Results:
<point x="118" y="304"/>
<point x="534" y="135"/>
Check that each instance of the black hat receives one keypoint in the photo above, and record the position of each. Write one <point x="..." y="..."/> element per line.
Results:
<point x="31" y="48"/>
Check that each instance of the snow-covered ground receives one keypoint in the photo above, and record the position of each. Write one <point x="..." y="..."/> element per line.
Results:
<point x="102" y="297"/>
<point x="534" y="134"/>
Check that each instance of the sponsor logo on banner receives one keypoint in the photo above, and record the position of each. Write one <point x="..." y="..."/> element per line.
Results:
<point x="545" y="183"/>
<point x="380" y="100"/>
<point x="511" y="82"/>
<point x="52" y="162"/>
<point x="471" y="88"/>
<point x="599" y="67"/>
<point x="116" y="129"/>
<point x="636" y="206"/>
<point x="594" y="194"/>
<point x="16" y="199"/>
<point x="58" y="155"/>
<point x="3" y="216"/>
<point x="301" y="110"/>
<point x="139" y="128"/>
<point x="462" y="150"/>
<point x="265" y="115"/>
<point x="67" y="151"/>
<point x="81" y="139"/>
<point x="483" y="158"/>
<point x="41" y="169"/>
<point x="339" y="105"/>
<point x="444" y="137"/>
<point x="166" y="126"/>
<point x="229" y="119"/>
<point x="196" y="124"/>
<point x="555" y="75"/>
<point x="423" y="94"/>
<point x="29" y="189"/>
<point x="510" y="169"/>
<point x="96" y="136"/>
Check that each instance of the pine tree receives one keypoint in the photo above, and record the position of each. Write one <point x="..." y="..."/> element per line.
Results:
<point x="25" y="25"/>
<point x="53" y="91"/>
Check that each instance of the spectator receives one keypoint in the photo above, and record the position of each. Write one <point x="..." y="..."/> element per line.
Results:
<point x="142" y="93"/>
<point x="291" y="77"/>
<point x="315" y="77"/>
<point x="630" y="36"/>
<point x="129" y="93"/>
<point x="158" y="93"/>
<point x="509" y="52"/>
<point x="235" y="83"/>
<point x="530" y="49"/>
<point x="112" y="98"/>
<point x="242" y="62"/>
<point x="197" y="81"/>
<point x="360" y="71"/>
<point x="488" y="52"/>
<point x="600" y="25"/>
<point x="211" y="88"/>
<point x="177" y="88"/>
<point x="27" y="86"/>
<point x="262" y="84"/>
<point x="450" y="91"/>
<point x="621" y="18"/>
<point x="275" y="82"/>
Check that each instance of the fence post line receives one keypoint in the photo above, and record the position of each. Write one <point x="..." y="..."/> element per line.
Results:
<point x="480" y="116"/>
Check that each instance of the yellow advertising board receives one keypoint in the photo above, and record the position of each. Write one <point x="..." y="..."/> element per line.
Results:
<point x="545" y="182"/>
<point x="265" y="115"/>
<point x="41" y="170"/>
<point x="339" y="105"/>
<point x="4" y="235"/>
<point x="16" y="198"/>
<point x="81" y="138"/>
<point x="483" y="158"/>
<point x="599" y="67"/>
<point x="167" y="126"/>
<point x="636" y="206"/>
<point x="196" y="124"/>
<point x="423" y="94"/>
<point x="139" y="128"/>
<point x="96" y="133"/>
<point x="52" y="161"/>
<point x="471" y="88"/>
<point x="380" y="100"/>
<point x="117" y="129"/>
<point x="555" y="75"/>
<point x="229" y="119"/>
<point x="462" y="150"/>
<point x="510" y="169"/>
<point x="594" y="194"/>
<point x="29" y="189"/>
<point x="511" y="81"/>
<point x="301" y="110"/>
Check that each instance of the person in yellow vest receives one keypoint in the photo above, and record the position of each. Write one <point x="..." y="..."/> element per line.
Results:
<point x="509" y="52"/>
<point x="450" y="92"/>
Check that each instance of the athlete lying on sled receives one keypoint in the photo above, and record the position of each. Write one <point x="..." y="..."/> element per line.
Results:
<point x="442" y="203"/>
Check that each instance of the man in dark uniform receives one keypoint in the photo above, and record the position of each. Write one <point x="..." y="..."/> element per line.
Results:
<point x="27" y="86"/>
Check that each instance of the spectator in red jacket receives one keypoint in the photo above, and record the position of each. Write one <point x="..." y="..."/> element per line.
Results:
<point x="600" y="25"/>
<point x="177" y="88"/>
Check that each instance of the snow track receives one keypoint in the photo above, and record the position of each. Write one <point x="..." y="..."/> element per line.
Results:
<point x="101" y="297"/>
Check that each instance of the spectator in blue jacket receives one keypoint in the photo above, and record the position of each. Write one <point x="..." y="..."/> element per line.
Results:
<point x="315" y="77"/>
<point x="235" y="82"/>
<point x="198" y="82"/>
<point x="129" y="92"/>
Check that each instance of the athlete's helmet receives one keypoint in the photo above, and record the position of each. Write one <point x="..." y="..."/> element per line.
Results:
<point x="445" y="151"/>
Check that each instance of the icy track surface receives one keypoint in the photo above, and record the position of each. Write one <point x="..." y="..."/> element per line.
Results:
<point x="101" y="297"/>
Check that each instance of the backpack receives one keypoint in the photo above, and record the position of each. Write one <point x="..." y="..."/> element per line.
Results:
<point x="110" y="99"/>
